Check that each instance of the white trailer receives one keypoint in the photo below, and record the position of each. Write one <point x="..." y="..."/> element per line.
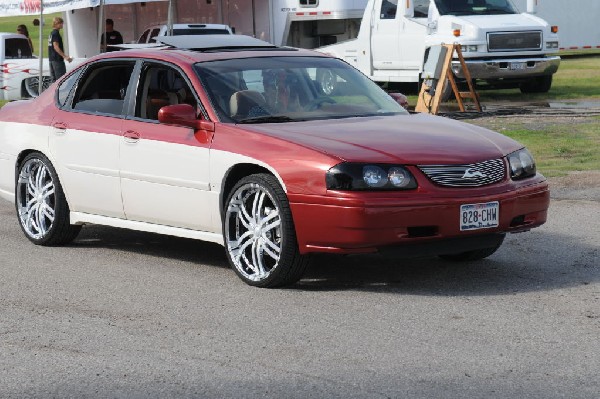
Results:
<point x="298" y="23"/>
<point x="577" y="21"/>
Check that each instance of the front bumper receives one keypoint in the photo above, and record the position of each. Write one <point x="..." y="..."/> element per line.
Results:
<point x="503" y="68"/>
<point x="342" y="225"/>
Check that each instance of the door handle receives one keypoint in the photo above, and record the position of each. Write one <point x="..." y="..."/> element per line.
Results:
<point x="59" y="128"/>
<point x="131" y="136"/>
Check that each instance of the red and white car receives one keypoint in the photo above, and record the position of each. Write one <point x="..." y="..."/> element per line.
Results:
<point x="232" y="140"/>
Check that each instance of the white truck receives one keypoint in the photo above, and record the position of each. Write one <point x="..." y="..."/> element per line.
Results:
<point x="20" y="68"/>
<point x="502" y="47"/>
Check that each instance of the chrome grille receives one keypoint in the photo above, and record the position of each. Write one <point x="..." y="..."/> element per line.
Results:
<point x="512" y="41"/>
<point x="471" y="175"/>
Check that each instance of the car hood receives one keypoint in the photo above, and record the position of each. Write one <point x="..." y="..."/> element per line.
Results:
<point x="407" y="139"/>
<point x="512" y="22"/>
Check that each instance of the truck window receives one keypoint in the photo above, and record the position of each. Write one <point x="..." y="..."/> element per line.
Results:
<point x="388" y="9"/>
<point x="475" y="7"/>
<point x="17" y="48"/>
<point x="421" y="8"/>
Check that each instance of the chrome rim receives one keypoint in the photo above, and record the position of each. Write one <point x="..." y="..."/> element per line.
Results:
<point x="253" y="232"/>
<point x="328" y="81"/>
<point x="36" y="199"/>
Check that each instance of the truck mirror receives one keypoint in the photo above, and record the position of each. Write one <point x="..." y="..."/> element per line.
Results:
<point x="532" y="6"/>
<point x="409" y="8"/>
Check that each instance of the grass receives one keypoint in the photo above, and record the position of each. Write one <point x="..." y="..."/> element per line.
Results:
<point x="9" y="24"/>
<point x="559" y="146"/>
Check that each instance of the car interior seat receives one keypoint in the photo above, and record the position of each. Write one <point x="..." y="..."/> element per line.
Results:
<point x="247" y="103"/>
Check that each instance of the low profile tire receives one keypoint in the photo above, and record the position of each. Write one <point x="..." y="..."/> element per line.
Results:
<point x="474" y="255"/>
<point x="41" y="205"/>
<point x="259" y="234"/>
<point x="540" y="84"/>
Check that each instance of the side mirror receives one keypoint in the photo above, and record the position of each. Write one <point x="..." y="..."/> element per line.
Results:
<point x="400" y="99"/>
<point x="179" y="114"/>
<point x="532" y="6"/>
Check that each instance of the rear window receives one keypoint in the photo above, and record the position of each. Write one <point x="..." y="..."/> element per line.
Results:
<point x="17" y="48"/>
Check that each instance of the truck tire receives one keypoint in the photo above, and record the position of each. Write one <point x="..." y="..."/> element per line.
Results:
<point x="540" y="84"/>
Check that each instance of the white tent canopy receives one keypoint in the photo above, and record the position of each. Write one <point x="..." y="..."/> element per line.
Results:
<point x="33" y="7"/>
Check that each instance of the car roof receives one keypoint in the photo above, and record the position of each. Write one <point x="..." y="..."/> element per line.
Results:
<point x="192" y="49"/>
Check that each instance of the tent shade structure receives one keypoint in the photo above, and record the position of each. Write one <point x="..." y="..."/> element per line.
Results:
<point x="34" y="7"/>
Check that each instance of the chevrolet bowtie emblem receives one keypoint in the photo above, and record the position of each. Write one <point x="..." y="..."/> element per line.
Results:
<point x="472" y="173"/>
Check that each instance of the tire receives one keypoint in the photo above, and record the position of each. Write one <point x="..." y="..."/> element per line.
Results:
<point x="40" y="203"/>
<point x="540" y="84"/>
<point x="477" y="254"/>
<point x="259" y="235"/>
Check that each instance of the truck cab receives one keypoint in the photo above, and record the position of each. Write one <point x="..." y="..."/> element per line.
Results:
<point x="502" y="47"/>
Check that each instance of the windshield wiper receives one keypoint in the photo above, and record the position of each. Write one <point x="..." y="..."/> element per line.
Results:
<point x="269" y="119"/>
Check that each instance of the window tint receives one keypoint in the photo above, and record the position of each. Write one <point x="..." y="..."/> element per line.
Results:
<point x="66" y="87"/>
<point x="17" y="48"/>
<point x="102" y="90"/>
<point x="388" y="9"/>
<point x="161" y="85"/>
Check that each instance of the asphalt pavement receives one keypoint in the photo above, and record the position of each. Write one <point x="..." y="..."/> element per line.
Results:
<point x="122" y="314"/>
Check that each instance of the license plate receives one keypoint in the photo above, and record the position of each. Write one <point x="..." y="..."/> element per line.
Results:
<point x="479" y="216"/>
<point x="516" y="66"/>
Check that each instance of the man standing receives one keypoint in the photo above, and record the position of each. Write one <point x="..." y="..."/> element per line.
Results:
<point x="56" y="51"/>
<point x="112" y="36"/>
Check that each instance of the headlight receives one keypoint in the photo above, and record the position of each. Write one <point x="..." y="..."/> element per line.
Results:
<point x="355" y="176"/>
<point x="469" y="48"/>
<point x="521" y="164"/>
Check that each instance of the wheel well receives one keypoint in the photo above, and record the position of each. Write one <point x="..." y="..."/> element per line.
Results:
<point x="235" y="174"/>
<point x="22" y="155"/>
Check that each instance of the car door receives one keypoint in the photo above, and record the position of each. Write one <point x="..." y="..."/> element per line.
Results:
<point x="85" y="136"/>
<point x="164" y="168"/>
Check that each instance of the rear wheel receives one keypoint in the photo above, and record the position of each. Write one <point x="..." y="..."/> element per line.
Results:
<point x="41" y="205"/>
<point x="473" y="255"/>
<point x="259" y="233"/>
<point x="540" y="84"/>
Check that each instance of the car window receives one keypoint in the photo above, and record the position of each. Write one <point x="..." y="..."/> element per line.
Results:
<point x="291" y="88"/>
<point x="161" y="85"/>
<point x="144" y="37"/>
<point x="66" y="87"/>
<point x="17" y="48"/>
<point x="153" y="35"/>
<point x="103" y="87"/>
<point x="388" y="9"/>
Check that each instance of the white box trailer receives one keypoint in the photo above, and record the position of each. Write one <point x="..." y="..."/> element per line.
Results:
<point x="577" y="21"/>
<point x="298" y="23"/>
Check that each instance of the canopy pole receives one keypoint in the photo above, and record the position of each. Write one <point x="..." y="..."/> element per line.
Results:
<point x="101" y="27"/>
<point x="170" y="19"/>
<point x="41" y="77"/>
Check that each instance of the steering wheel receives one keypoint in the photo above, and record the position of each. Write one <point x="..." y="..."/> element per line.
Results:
<point x="317" y="102"/>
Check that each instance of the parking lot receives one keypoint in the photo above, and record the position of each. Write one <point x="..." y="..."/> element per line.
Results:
<point x="129" y="314"/>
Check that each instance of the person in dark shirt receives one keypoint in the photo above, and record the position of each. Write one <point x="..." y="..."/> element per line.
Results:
<point x="112" y="36"/>
<point x="56" y="51"/>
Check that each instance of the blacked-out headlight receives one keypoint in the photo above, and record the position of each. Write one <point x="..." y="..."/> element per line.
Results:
<point x="356" y="176"/>
<point x="521" y="164"/>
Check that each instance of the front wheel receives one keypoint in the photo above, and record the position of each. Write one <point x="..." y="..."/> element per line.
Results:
<point x="540" y="84"/>
<point x="259" y="234"/>
<point x="41" y="205"/>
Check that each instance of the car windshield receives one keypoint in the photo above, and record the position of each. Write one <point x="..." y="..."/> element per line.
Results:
<point x="475" y="7"/>
<point x="288" y="89"/>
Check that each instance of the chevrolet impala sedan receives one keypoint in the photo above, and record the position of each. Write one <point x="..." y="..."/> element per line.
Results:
<point x="232" y="140"/>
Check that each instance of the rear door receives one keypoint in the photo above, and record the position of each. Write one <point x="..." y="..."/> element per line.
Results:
<point x="85" y="136"/>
